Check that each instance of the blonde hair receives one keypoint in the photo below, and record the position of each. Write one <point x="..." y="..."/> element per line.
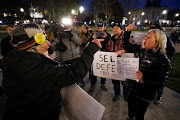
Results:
<point x="161" y="40"/>
<point x="82" y="28"/>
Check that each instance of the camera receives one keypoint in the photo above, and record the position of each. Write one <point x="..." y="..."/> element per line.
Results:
<point x="99" y="34"/>
<point x="61" y="32"/>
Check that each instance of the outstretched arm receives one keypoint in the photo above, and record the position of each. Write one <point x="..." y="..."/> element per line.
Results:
<point x="127" y="45"/>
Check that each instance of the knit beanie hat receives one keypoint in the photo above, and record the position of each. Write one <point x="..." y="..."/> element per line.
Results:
<point x="25" y="36"/>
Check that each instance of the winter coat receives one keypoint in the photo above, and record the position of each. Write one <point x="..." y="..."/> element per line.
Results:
<point x="170" y="49"/>
<point x="33" y="82"/>
<point x="84" y="39"/>
<point x="174" y="37"/>
<point x="155" y="68"/>
<point x="114" y="45"/>
<point x="6" y="45"/>
<point x="72" y="51"/>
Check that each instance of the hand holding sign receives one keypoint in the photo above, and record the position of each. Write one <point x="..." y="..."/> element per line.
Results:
<point x="120" y="52"/>
<point x="98" y="42"/>
<point x="139" y="76"/>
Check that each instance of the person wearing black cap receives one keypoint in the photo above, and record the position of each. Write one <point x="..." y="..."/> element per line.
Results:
<point x="100" y="34"/>
<point x="170" y="50"/>
<point x="114" y="45"/>
<point x="6" y="47"/>
<point x="5" y="43"/>
<point x="33" y="81"/>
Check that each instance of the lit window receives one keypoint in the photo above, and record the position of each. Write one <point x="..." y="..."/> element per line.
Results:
<point x="15" y="15"/>
<point x="5" y="14"/>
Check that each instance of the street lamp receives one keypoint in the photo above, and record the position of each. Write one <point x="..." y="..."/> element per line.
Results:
<point x="22" y="10"/>
<point x="129" y="13"/>
<point x="164" y="12"/>
<point x="81" y="9"/>
<point x="143" y="13"/>
<point x="73" y="11"/>
<point x="177" y="14"/>
<point x="23" y="13"/>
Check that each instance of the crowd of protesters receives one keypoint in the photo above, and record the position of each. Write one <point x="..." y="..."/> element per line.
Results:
<point x="57" y="57"/>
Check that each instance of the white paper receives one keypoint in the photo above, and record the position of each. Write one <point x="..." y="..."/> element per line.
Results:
<point x="127" y="67"/>
<point x="80" y="105"/>
<point x="104" y="65"/>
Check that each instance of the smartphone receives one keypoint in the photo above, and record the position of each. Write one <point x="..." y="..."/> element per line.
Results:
<point x="99" y="34"/>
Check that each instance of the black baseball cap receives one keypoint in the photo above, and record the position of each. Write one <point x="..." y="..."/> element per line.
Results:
<point x="155" y="26"/>
<point x="117" y="24"/>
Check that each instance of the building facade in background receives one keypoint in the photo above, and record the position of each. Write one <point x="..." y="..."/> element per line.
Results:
<point x="148" y="15"/>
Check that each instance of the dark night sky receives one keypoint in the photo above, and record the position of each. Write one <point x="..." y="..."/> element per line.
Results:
<point x="172" y="4"/>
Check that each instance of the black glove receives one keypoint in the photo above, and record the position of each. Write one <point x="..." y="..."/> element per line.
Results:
<point x="50" y="50"/>
<point x="69" y="35"/>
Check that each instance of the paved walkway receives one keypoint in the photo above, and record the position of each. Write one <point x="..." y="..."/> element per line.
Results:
<point x="177" y="47"/>
<point x="169" y="110"/>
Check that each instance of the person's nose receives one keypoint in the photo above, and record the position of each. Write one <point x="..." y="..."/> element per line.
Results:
<point x="145" y="38"/>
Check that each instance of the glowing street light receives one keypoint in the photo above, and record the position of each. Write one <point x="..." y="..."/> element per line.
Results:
<point x="164" y="12"/>
<point x="177" y="14"/>
<point x="81" y="9"/>
<point x="129" y="13"/>
<point x="22" y="10"/>
<point x="143" y="13"/>
<point x="73" y="11"/>
<point x="138" y="23"/>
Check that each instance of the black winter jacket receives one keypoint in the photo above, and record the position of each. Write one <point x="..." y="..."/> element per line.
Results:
<point x="154" y="66"/>
<point x="170" y="49"/>
<point x="6" y="45"/>
<point x="32" y="83"/>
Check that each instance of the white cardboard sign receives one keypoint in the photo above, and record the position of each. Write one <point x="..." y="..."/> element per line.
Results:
<point x="80" y="105"/>
<point x="127" y="67"/>
<point x="104" y="65"/>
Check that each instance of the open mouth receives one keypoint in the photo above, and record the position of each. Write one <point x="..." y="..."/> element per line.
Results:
<point x="144" y="43"/>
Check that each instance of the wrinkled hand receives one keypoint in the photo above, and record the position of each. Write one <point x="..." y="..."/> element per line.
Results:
<point x="94" y="36"/>
<point x="130" y="27"/>
<point x="139" y="76"/>
<point x="98" y="42"/>
<point x="105" y="35"/>
<point x="120" y="52"/>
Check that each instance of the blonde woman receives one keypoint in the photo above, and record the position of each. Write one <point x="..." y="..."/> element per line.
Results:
<point x="84" y="34"/>
<point x="154" y="67"/>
